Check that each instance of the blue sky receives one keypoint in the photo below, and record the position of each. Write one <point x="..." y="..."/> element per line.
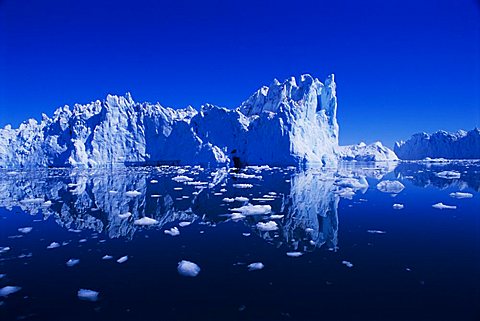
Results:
<point x="401" y="66"/>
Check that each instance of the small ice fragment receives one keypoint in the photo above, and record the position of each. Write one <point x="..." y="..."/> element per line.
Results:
<point x="276" y="217"/>
<point x="398" y="206"/>
<point x="87" y="295"/>
<point x="376" y="232"/>
<point x="107" y="257"/>
<point x="182" y="179"/>
<point x="177" y="188"/>
<point x="25" y="230"/>
<point x="122" y="259"/>
<point x="294" y="254"/>
<point x="7" y="290"/>
<point x="183" y="224"/>
<point x="272" y="193"/>
<point x="237" y="216"/>
<point x="246" y="234"/>
<point x="393" y="187"/>
<point x="461" y="195"/>
<point x="348" y="264"/>
<point x="309" y="230"/>
<point x="125" y="215"/>
<point x="442" y="206"/>
<point x="82" y="240"/>
<point x="448" y="174"/>
<point x="228" y="200"/>
<point x="154" y="181"/>
<point x="255" y="266"/>
<point x="133" y="193"/>
<point x="223" y="190"/>
<point x="113" y="192"/>
<point x="53" y="245"/>
<point x="47" y="203"/>
<point x="253" y="209"/>
<point x="269" y="226"/>
<point x="145" y="221"/>
<point x="242" y="185"/>
<point x="241" y="199"/>
<point x="187" y="268"/>
<point x="173" y="231"/>
<point x="72" y="262"/>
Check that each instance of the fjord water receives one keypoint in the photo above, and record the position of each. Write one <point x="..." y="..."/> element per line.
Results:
<point x="352" y="255"/>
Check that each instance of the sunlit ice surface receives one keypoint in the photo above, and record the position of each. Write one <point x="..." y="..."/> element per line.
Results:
<point x="259" y="243"/>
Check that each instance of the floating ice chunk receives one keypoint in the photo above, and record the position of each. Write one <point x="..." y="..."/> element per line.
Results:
<point x="125" y="215"/>
<point x="72" y="262"/>
<point x="32" y="200"/>
<point x="376" y="232"/>
<point x="263" y="199"/>
<point x="347" y="264"/>
<point x="173" y="231"/>
<point x="133" y="193"/>
<point x="7" y="290"/>
<point x="177" y="188"/>
<point x="47" y="203"/>
<point x="87" y="295"/>
<point x="461" y="195"/>
<point x="53" y="245"/>
<point x="309" y="230"/>
<point x="187" y="268"/>
<point x="154" y="181"/>
<point x="182" y="179"/>
<point x="294" y="254"/>
<point x="25" y="230"/>
<point x="393" y="187"/>
<point x="398" y="206"/>
<point x="442" y="206"/>
<point x="241" y="199"/>
<point x="448" y="174"/>
<point x="272" y="193"/>
<point x="123" y="259"/>
<point x="276" y="217"/>
<point x="184" y="224"/>
<point x="228" y="200"/>
<point x="145" y="221"/>
<point x="4" y="249"/>
<point x="253" y="209"/>
<point x="155" y="195"/>
<point x="113" y="192"/>
<point x="223" y="190"/>
<point x="237" y="216"/>
<point x="354" y="183"/>
<point x="246" y="234"/>
<point x="269" y="226"/>
<point x="107" y="257"/>
<point x="242" y="185"/>
<point x="255" y="266"/>
<point x="346" y="192"/>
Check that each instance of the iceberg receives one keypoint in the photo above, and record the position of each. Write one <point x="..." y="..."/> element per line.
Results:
<point x="393" y="187"/>
<point x="287" y="123"/>
<point x="362" y="152"/>
<point x="459" y="145"/>
<point x="187" y="268"/>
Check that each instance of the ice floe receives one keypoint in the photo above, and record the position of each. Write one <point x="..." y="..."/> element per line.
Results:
<point x="25" y="230"/>
<point x="123" y="259"/>
<point x="182" y="179"/>
<point x="228" y="200"/>
<point x="184" y="224"/>
<point x="461" y="195"/>
<point x="9" y="289"/>
<point x="242" y="185"/>
<point x="241" y="199"/>
<point x="255" y="266"/>
<point x="393" y="187"/>
<point x="347" y="264"/>
<point x="398" y="206"/>
<point x="173" y="231"/>
<point x="448" y="174"/>
<point x="133" y="193"/>
<point x="145" y="221"/>
<point x="72" y="262"/>
<point x="253" y="209"/>
<point x="442" y="206"/>
<point x="376" y="232"/>
<point x="125" y="215"/>
<point x="268" y="226"/>
<point x="107" y="257"/>
<point x="187" y="268"/>
<point x="87" y="295"/>
<point x="294" y="254"/>
<point x="53" y="245"/>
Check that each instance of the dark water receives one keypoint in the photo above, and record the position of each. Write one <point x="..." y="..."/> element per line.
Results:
<point x="415" y="263"/>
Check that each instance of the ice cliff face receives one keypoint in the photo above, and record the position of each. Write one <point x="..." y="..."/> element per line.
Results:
<point x="375" y="152"/>
<point x="459" y="145"/>
<point x="287" y="123"/>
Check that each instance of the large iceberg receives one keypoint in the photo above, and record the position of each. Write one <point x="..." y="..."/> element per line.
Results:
<point x="288" y="123"/>
<point x="442" y="144"/>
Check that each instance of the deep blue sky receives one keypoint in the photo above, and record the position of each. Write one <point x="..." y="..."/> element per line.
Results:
<point x="401" y="66"/>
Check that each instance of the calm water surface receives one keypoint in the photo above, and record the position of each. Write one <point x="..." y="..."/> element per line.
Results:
<point x="357" y="257"/>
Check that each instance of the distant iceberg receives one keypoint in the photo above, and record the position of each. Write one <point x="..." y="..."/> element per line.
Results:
<point x="442" y="144"/>
<point x="375" y="152"/>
